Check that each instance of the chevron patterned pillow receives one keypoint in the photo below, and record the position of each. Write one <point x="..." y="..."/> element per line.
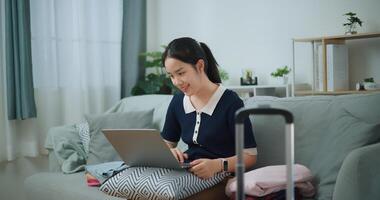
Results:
<point x="157" y="183"/>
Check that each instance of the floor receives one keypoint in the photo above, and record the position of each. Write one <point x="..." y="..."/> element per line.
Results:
<point x="13" y="174"/>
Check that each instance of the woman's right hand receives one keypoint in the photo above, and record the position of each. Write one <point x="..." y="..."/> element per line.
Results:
<point x="179" y="155"/>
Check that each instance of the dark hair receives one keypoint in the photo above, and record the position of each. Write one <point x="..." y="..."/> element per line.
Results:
<point x="190" y="51"/>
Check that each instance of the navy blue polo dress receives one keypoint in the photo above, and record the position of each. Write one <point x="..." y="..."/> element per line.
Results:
<point x="209" y="132"/>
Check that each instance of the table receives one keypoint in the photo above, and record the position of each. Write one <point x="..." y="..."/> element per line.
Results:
<point x="253" y="88"/>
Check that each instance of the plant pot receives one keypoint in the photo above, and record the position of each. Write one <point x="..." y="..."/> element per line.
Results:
<point x="280" y="80"/>
<point x="351" y="30"/>
<point x="370" y="86"/>
<point x="285" y="80"/>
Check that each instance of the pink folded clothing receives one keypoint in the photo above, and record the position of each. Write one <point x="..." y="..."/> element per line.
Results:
<point x="93" y="182"/>
<point x="266" y="180"/>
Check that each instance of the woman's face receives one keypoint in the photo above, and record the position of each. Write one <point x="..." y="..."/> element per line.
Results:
<point x="184" y="76"/>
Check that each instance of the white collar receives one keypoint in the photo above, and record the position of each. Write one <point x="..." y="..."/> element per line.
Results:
<point x="209" y="107"/>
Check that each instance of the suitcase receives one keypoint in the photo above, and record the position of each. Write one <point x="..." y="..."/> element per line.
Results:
<point x="240" y="116"/>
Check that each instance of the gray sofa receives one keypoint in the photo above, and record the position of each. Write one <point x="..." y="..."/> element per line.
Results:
<point x="337" y="137"/>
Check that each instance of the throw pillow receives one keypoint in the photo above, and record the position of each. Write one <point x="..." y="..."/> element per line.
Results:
<point x="84" y="135"/>
<point x="100" y="150"/>
<point x="347" y="133"/>
<point x="157" y="183"/>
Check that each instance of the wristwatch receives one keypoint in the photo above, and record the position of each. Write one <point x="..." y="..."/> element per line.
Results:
<point x="225" y="164"/>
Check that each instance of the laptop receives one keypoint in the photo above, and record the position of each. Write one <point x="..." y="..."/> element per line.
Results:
<point x="143" y="147"/>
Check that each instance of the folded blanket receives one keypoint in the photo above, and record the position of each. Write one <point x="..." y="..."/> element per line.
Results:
<point x="67" y="147"/>
<point x="71" y="156"/>
<point x="266" y="180"/>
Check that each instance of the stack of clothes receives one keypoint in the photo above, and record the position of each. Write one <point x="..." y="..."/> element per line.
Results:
<point x="269" y="183"/>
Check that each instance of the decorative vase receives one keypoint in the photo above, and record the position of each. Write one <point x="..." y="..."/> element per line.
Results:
<point x="351" y="29"/>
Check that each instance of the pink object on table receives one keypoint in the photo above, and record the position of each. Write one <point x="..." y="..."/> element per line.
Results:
<point x="266" y="180"/>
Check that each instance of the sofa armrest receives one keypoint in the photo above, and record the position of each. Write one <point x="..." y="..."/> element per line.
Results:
<point x="359" y="176"/>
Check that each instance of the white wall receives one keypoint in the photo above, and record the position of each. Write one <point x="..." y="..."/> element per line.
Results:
<point x="257" y="34"/>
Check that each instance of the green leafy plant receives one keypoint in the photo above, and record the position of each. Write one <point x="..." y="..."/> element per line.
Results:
<point x="223" y="74"/>
<point x="156" y="81"/>
<point x="369" y="80"/>
<point x="352" y="23"/>
<point x="281" y="72"/>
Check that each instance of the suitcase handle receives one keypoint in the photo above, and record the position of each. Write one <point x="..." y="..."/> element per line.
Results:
<point x="240" y="116"/>
<point x="243" y="113"/>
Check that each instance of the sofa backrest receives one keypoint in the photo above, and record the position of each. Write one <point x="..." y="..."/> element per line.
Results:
<point x="314" y="117"/>
<point x="159" y="103"/>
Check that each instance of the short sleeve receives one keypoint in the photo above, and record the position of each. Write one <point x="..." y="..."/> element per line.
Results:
<point x="249" y="139"/>
<point x="172" y="130"/>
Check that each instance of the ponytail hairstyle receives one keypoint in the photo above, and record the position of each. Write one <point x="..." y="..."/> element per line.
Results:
<point x="190" y="51"/>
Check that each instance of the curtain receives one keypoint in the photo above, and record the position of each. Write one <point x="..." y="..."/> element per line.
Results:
<point x="20" y="94"/>
<point x="76" y="55"/>
<point x="3" y="106"/>
<point x="8" y="138"/>
<point x="76" y="49"/>
<point x="133" y="43"/>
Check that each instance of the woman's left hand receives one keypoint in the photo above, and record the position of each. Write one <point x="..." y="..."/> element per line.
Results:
<point x="205" y="168"/>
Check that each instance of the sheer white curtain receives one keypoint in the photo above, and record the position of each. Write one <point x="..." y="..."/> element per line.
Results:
<point x="76" y="46"/>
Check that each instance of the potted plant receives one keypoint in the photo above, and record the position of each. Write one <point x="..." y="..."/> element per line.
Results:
<point x="156" y="81"/>
<point x="353" y="21"/>
<point x="247" y="78"/>
<point x="369" y="84"/>
<point x="223" y="75"/>
<point x="282" y="73"/>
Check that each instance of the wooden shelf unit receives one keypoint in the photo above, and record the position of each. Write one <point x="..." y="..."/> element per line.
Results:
<point x="309" y="92"/>
<point x="325" y="40"/>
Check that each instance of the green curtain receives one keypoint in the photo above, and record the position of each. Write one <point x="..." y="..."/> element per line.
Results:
<point x="20" y="94"/>
<point x="133" y="43"/>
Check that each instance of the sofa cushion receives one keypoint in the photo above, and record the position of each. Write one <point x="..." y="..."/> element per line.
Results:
<point x="310" y="124"/>
<point x="365" y="107"/>
<point x="157" y="183"/>
<point x="84" y="135"/>
<point x="157" y="102"/>
<point x="100" y="150"/>
<point x="346" y="133"/>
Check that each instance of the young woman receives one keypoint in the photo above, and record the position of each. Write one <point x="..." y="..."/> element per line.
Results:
<point x="202" y="114"/>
